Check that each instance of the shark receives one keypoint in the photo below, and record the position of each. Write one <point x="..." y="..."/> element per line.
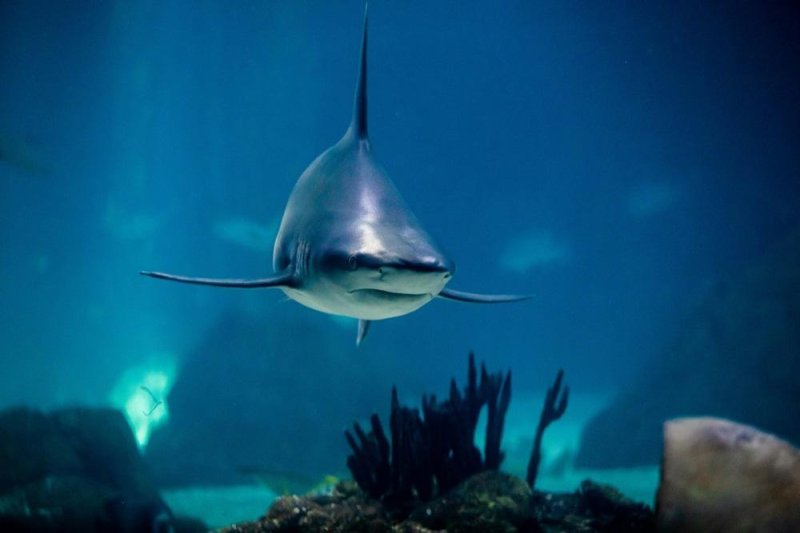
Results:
<point x="348" y="244"/>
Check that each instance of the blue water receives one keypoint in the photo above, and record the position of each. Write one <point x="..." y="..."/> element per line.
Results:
<point x="612" y="160"/>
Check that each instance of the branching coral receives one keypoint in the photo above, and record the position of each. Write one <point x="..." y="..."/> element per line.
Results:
<point x="555" y="404"/>
<point x="432" y="453"/>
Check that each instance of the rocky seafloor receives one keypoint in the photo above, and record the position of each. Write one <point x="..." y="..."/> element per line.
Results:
<point x="487" y="502"/>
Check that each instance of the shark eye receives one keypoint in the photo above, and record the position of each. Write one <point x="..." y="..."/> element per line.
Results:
<point x="352" y="262"/>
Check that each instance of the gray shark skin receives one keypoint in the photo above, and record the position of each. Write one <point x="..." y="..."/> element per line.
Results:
<point x="348" y="244"/>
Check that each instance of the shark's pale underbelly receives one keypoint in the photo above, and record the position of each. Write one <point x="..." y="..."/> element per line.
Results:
<point x="364" y="304"/>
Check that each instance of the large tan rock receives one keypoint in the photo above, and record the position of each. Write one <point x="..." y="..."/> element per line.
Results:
<point x="717" y="475"/>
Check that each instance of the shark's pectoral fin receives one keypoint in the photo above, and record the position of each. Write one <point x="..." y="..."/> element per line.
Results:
<point x="284" y="279"/>
<point x="471" y="297"/>
<point x="363" y="328"/>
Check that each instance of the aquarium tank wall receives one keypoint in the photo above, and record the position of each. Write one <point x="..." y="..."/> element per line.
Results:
<point x="632" y="168"/>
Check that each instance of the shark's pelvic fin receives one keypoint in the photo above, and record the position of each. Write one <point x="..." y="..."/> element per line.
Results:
<point x="363" y="328"/>
<point x="279" y="280"/>
<point x="359" y="124"/>
<point x="471" y="297"/>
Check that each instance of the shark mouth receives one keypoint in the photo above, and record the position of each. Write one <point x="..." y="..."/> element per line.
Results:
<point x="389" y="295"/>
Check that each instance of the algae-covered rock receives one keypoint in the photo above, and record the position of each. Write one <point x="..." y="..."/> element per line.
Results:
<point x="487" y="502"/>
<point x="593" y="507"/>
<point x="347" y="509"/>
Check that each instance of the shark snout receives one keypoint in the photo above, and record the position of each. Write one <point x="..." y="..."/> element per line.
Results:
<point x="412" y="277"/>
<point x="433" y="267"/>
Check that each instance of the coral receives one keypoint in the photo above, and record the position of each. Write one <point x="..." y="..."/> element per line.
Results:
<point x="432" y="453"/>
<point x="555" y="405"/>
<point x="428" y="476"/>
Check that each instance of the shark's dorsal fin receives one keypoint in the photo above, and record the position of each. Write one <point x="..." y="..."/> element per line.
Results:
<point x="358" y="126"/>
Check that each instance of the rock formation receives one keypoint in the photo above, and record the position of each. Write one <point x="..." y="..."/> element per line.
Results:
<point x="721" y="476"/>
<point x="737" y="356"/>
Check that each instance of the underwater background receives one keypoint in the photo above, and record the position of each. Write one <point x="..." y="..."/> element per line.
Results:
<point x="633" y="166"/>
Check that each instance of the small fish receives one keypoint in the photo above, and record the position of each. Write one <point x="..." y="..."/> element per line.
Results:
<point x="156" y="401"/>
<point x="287" y="483"/>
